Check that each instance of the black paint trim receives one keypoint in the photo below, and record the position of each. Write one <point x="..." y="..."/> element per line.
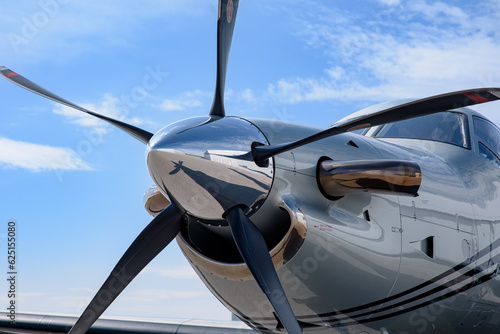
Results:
<point x="342" y="317"/>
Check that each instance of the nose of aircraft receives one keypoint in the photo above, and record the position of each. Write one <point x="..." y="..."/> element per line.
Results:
<point x="191" y="161"/>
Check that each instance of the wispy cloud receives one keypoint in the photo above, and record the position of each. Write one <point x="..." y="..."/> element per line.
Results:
<point x="399" y="52"/>
<point x="198" y="100"/>
<point x="248" y="96"/>
<point x="186" y="100"/>
<point x="35" y="157"/>
<point x="439" y="10"/>
<point x="390" y="2"/>
<point x="395" y="53"/>
<point x="109" y="106"/>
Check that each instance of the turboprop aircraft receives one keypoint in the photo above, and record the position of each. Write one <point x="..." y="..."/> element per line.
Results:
<point x="385" y="222"/>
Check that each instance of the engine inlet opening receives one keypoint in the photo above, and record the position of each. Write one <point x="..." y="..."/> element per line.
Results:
<point x="213" y="239"/>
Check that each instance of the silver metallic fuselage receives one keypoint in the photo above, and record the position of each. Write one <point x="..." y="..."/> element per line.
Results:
<point x="364" y="261"/>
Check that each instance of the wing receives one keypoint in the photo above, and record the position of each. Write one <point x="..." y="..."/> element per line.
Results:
<point x="33" y="323"/>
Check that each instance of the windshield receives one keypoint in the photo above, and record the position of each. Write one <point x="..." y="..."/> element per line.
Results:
<point x="447" y="127"/>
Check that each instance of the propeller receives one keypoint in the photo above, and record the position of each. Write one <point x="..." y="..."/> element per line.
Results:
<point x="165" y="226"/>
<point x="225" y="28"/>
<point x="142" y="135"/>
<point x="253" y="249"/>
<point x="152" y="240"/>
<point x="401" y="112"/>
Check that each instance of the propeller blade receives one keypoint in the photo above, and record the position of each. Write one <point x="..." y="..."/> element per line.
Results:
<point x="225" y="28"/>
<point x="254" y="251"/>
<point x="21" y="81"/>
<point x="152" y="240"/>
<point x="401" y="112"/>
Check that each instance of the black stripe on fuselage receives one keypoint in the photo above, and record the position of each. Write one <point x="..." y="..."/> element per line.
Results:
<point x="347" y="320"/>
<point x="345" y="317"/>
<point x="421" y="286"/>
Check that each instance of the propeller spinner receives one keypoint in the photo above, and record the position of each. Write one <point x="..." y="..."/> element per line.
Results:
<point x="193" y="163"/>
<point x="221" y="168"/>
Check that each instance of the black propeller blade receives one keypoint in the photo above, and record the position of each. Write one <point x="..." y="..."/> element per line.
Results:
<point x="402" y="112"/>
<point x="21" y="81"/>
<point x="253" y="249"/>
<point x="152" y="240"/>
<point x="225" y="28"/>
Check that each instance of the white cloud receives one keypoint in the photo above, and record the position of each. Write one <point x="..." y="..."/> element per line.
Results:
<point x="247" y="96"/>
<point x="290" y="91"/>
<point x="34" y="157"/>
<point x="187" y="100"/>
<point x="110" y="106"/>
<point x="390" y="2"/>
<point x="336" y="73"/>
<point x="439" y="10"/>
<point x="202" y="99"/>
<point x="401" y="52"/>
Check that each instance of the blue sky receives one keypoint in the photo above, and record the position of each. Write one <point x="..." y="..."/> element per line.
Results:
<point x="75" y="185"/>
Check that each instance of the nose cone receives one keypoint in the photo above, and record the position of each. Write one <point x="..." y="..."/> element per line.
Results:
<point x="192" y="161"/>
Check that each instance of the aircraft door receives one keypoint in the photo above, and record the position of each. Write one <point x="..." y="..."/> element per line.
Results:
<point x="438" y="238"/>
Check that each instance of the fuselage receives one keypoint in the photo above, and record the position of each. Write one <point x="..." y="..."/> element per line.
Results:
<point x="370" y="261"/>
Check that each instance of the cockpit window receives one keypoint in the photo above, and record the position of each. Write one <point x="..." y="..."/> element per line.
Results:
<point x="447" y="127"/>
<point x="489" y="137"/>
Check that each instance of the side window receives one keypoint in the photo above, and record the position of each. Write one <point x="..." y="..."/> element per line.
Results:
<point x="489" y="140"/>
<point x="488" y="155"/>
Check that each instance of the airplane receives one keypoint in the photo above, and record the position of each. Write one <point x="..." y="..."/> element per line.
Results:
<point x="383" y="223"/>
